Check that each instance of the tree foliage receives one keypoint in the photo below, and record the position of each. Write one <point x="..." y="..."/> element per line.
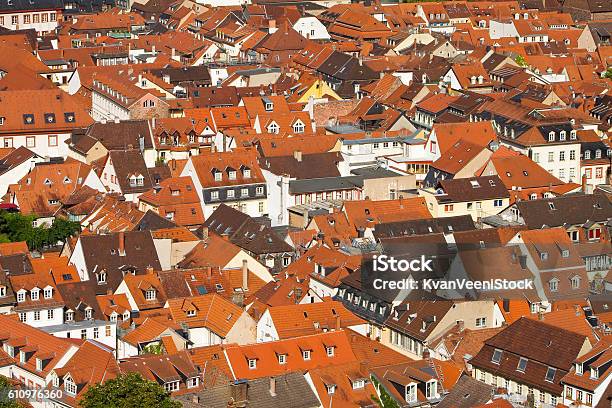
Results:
<point x="608" y="73"/>
<point x="15" y="227"/>
<point x="520" y="60"/>
<point x="5" y="402"/>
<point x="128" y="391"/>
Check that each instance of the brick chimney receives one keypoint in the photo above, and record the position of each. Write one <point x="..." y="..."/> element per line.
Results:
<point x="122" y="243"/>
<point x="297" y="155"/>
<point x="245" y="275"/>
<point x="338" y="325"/>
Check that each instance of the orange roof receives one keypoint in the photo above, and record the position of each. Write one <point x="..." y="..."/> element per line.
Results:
<point x="12" y="248"/>
<point x="365" y="212"/>
<point x="304" y="319"/>
<point x="267" y="361"/>
<point x="138" y="286"/>
<point x="211" y="311"/>
<point x="572" y="319"/>
<point x="149" y="330"/>
<point x="517" y="308"/>
<point x="477" y="133"/>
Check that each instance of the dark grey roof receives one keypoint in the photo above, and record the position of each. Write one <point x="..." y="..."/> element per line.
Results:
<point x="426" y="226"/>
<point x="325" y="184"/>
<point x="467" y="393"/>
<point x="119" y="135"/>
<point x="22" y="5"/>
<point x="152" y="221"/>
<point x="292" y="391"/>
<point x="569" y="209"/>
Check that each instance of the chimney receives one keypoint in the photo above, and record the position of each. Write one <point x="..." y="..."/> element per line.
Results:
<point x="195" y="399"/>
<point x="245" y="275"/>
<point x="204" y="232"/>
<point x="209" y="272"/>
<point x="338" y="325"/>
<point x="122" y="243"/>
<point x="273" y="386"/>
<point x="426" y="354"/>
<point x="540" y="314"/>
<point x="173" y="164"/>
<point x="584" y="183"/>
<point x="272" y="26"/>
<point x="298" y="155"/>
<point x="150" y="270"/>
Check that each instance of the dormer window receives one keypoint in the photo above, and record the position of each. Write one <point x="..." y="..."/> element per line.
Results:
<point x="543" y="256"/>
<point x="587" y="154"/>
<point x="551" y="136"/>
<point x="88" y="313"/>
<point x="273" y="128"/>
<point x="298" y="127"/>
<point x="2" y="291"/>
<point x="232" y="174"/>
<point x="553" y="284"/>
<point x="191" y="313"/>
<point x="358" y="384"/>
<point x="329" y="350"/>
<point x="497" y="355"/>
<point x="331" y="389"/>
<point x="550" y="374"/>
<point x="101" y="277"/>
<point x="282" y="359"/>
<point x="48" y="293"/>
<point x="306" y="355"/>
<point x="218" y="175"/>
<point x="21" y="296"/>
<point x="269" y="106"/>
<point x="594" y="373"/>
<point x="246" y="173"/>
<point x="575" y="281"/>
<point x="252" y="363"/>
<point x="522" y="365"/>
<point x="598" y="154"/>
<point x="70" y="386"/>
<point x="34" y="294"/>
<point x="573" y="135"/>
<point x="150" y="294"/>
<point x="69" y="316"/>
<point x="579" y="368"/>
<point x="562" y="135"/>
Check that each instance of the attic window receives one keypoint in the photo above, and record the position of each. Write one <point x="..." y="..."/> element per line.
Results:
<point x="50" y="117"/>
<point x="191" y="313"/>
<point x="28" y="119"/>
<point x="474" y="183"/>
<point x="2" y="120"/>
<point x="497" y="355"/>
<point x="551" y="206"/>
<point x="525" y="173"/>
<point x="252" y="363"/>
<point x="491" y="183"/>
<point x="550" y="374"/>
<point x="522" y="365"/>
<point x="150" y="294"/>
<point x="306" y="355"/>
<point x="69" y="117"/>
<point x="544" y="256"/>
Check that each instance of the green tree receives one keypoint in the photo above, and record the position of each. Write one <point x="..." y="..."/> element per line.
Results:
<point x="128" y="391"/>
<point x="520" y="60"/>
<point x="5" y="402"/>
<point x="608" y="73"/>
<point x="153" y="348"/>
<point x="16" y="227"/>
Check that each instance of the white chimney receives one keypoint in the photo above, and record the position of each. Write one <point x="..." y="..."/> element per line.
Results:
<point x="245" y="275"/>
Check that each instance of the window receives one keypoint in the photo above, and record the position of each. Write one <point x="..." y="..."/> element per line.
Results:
<point x="230" y="193"/>
<point x="30" y="141"/>
<point x="191" y="313"/>
<point x="550" y="374"/>
<point x="20" y="296"/>
<point x="45" y="17"/>
<point x="214" y="195"/>
<point x="282" y="359"/>
<point x="430" y="389"/>
<point x="553" y="285"/>
<point x="588" y="173"/>
<point x="69" y="385"/>
<point x="218" y="176"/>
<point x="171" y="386"/>
<point x="572" y="155"/>
<point x="497" y="355"/>
<point x="69" y="316"/>
<point x="522" y="365"/>
<point x="273" y="128"/>
<point x="259" y="190"/>
<point x="150" y="294"/>
<point x="36" y="18"/>
<point x="26" y="19"/>
<point x="561" y="156"/>
<point x="598" y="154"/>
<point x="52" y="140"/>
<point x="551" y="137"/>
<point x="286" y="261"/>
<point x="96" y="333"/>
<point x="244" y="192"/>
<point x="599" y="172"/>
<point x="298" y="127"/>
<point x="573" y="235"/>
<point x="551" y="157"/>
<point x="36" y="315"/>
<point x="14" y="20"/>
<point x="497" y="203"/>
<point x="50" y="314"/>
<point x="261" y="207"/>
<point x="306" y="355"/>
<point x="543" y="256"/>
<point x="329" y="350"/>
<point x="595" y="233"/>
<point x="88" y="313"/>
<point x="232" y="174"/>
<point x="108" y="331"/>
<point x="587" y="154"/>
<point x="536" y="157"/>
<point x="575" y="282"/>
<point x="2" y="291"/>
<point x="252" y="363"/>
<point x="358" y="384"/>
<point x="34" y="294"/>
<point x="411" y="393"/>
<point x="561" y="174"/>
<point x="246" y="173"/>
<point x="102" y="277"/>
<point x="448" y="207"/>
<point x="193" y="382"/>
<point x="22" y="317"/>
<point x="331" y="389"/>
<point x="481" y="321"/>
<point x="562" y="135"/>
